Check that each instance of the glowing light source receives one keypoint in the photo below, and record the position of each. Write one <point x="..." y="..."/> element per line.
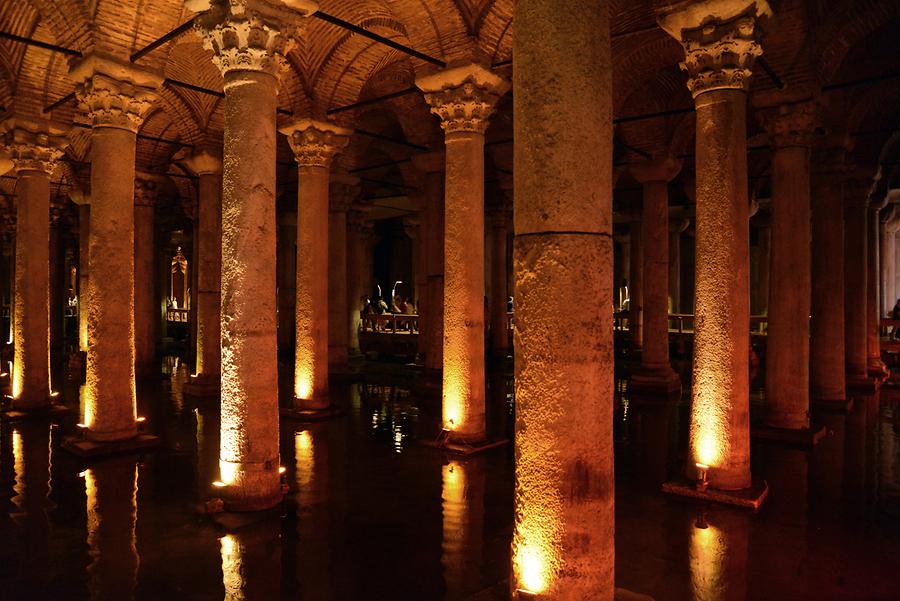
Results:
<point x="303" y="383"/>
<point x="282" y="469"/>
<point x="702" y="476"/>
<point x="228" y="471"/>
<point x="219" y="484"/>
<point x="532" y="569"/>
<point x="141" y="420"/>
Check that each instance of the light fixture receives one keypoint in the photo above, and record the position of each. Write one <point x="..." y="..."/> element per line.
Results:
<point x="219" y="484"/>
<point x="702" y="476"/>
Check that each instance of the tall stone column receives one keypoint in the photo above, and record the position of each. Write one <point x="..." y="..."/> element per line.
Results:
<point x="84" y="234"/>
<point x="344" y="189"/>
<point x="249" y="41"/>
<point x="34" y="148"/>
<point x="431" y="308"/>
<point x="206" y="164"/>
<point x="764" y="267"/>
<point x="117" y="97"/>
<point x="855" y="276"/>
<point x="287" y="279"/>
<point x="890" y="222"/>
<point x="656" y="375"/>
<point x="826" y="357"/>
<point x="563" y="542"/>
<point x="145" y="308"/>
<point x="464" y="98"/>
<point x="357" y="256"/>
<point x="635" y="285"/>
<point x="676" y="228"/>
<point x="314" y="144"/>
<point x="720" y="42"/>
<point x="876" y="366"/>
<point x="499" y="320"/>
<point x="791" y="130"/>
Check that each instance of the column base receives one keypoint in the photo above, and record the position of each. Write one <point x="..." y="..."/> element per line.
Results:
<point x="310" y="415"/>
<point x="203" y="386"/>
<point x="863" y="384"/>
<point x="805" y="437"/>
<point x="843" y="406"/>
<point x="462" y="448"/>
<point x="749" y="498"/>
<point x="660" y="385"/>
<point x="52" y="409"/>
<point x="87" y="448"/>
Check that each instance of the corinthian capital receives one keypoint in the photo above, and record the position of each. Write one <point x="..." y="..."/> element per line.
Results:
<point x="463" y="97"/>
<point x="249" y="35"/>
<point x="315" y="142"/>
<point x="720" y="39"/>
<point x="791" y="125"/>
<point x="31" y="145"/>
<point x="113" y="93"/>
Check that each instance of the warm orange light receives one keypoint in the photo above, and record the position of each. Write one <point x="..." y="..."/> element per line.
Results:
<point x="303" y="382"/>
<point x="304" y="457"/>
<point x="232" y="567"/>
<point x="708" y="427"/>
<point x="219" y="484"/>
<point x="531" y="569"/>
<point x="282" y="469"/>
<point x="141" y="420"/>
<point x="706" y="559"/>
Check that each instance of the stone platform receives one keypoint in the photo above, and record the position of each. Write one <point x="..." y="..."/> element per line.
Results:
<point x="462" y="448"/>
<point x="90" y="449"/>
<point x="807" y="437"/>
<point x="310" y="415"/>
<point x="748" y="498"/>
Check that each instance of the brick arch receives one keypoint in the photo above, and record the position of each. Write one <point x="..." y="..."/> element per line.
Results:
<point x="845" y="25"/>
<point x="640" y="57"/>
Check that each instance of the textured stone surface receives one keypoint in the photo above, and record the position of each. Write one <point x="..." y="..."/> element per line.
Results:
<point x="855" y="277"/>
<point x="146" y="311"/>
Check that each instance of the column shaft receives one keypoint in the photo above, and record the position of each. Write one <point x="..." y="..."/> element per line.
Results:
<point x="145" y="309"/>
<point x="827" y="376"/>
<point x="249" y="454"/>
<point x="636" y="286"/>
<point x="787" y="349"/>
<point x="311" y="310"/>
<point x="84" y="235"/>
<point x="888" y="270"/>
<point x="675" y="270"/>
<point x="655" y="260"/>
<point x="209" y="274"/>
<point x="337" y="290"/>
<point x="720" y="410"/>
<point x="356" y="256"/>
<point x="31" y="338"/>
<point x="499" y="321"/>
<point x="432" y="309"/>
<point x="855" y="289"/>
<point x="876" y="366"/>
<point x="563" y="542"/>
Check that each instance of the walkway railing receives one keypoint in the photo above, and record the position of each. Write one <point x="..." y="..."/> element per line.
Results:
<point x="390" y="323"/>
<point x="683" y="323"/>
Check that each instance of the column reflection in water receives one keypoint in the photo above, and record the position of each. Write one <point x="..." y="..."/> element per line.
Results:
<point x="649" y="426"/>
<point x="718" y="556"/>
<point x="313" y="568"/>
<point x="855" y="460"/>
<point x="207" y="436"/>
<point x="251" y="561"/>
<point x="111" y="488"/>
<point x="463" y="525"/>
<point x="31" y="464"/>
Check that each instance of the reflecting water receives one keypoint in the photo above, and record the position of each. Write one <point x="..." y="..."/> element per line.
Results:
<point x="372" y="514"/>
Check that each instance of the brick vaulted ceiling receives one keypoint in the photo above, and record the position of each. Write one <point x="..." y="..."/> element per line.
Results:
<point x="812" y="44"/>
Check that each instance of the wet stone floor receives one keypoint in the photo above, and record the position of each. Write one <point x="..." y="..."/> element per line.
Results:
<point x="373" y="514"/>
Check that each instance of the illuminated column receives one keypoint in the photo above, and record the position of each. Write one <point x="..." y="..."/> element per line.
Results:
<point x="343" y="190"/>
<point x="117" y="97"/>
<point x="635" y="285"/>
<point x="718" y="552"/>
<point x="412" y="227"/>
<point x="718" y="80"/>
<point x="656" y="374"/>
<point x="855" y="275"/>
<point x="146" y="312"/>
<point x="206" y="164"/>
<point x="791" y="130"/>
<point x="431" y="308"/>
<point x="249" y="45"/>
<point x="563" y="542"/>
<point x="84" y="232"/>
<point x="462" y="509"/>
<point x="826" y="346"/>
<point x="499" y="320"/>
<point x="876" y="366"/>
<point x="251" y="562"/>
<point x="464" y="98"/>
<point x="111" y="491"/>
<point x="890" y="221"/>
<point x="314" y="144"/>
<point x="33" y="148"/>
<point x="356" y="259"/>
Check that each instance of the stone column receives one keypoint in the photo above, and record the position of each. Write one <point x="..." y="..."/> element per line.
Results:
<point x="314" y="144"/>
<point x="635" y="285"/>
<point x="356" y="258"/>
<point x="206" y="164"/>
<point x="287" y="279"/>
<point x="826" y="357"/>
<point x="117" y="97"/>
<point x="84" y="233"/>
<point x="855" y="275"/>
<point x="676" y="227"/>
<point x="249" y="41"/>
<point x="656" y="374"/>
<point x="791" y="130"/>
<point x="464" y="97"/>
<point x="344" y="189"/>
<point x="720" y="42"/>
<point x="431" y="308"/>
<point x="33" y="148"/>
<point x="876" y="366"/>
<point x="499" y="320"/>
<point x="145" y="308"/>
<point x="890" y="222"/>
<point x="764" y="268"/>
<point x="563" y="543"/>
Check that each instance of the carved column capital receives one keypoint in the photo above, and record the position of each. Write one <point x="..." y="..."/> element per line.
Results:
<point x="30" y="145"/>
<point x="113" y="93"/>
<point x="661" y="169"/>
<point x="315" y="142"/>
<point x="145" y="192"/>
<point x="343" y="190"/>
<point x="249" y="35"/>
<point x="463" y="97"/>
<point x="791" y="125"/>
<point x="720" y="39"/>
<point x="204" y="161"/>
